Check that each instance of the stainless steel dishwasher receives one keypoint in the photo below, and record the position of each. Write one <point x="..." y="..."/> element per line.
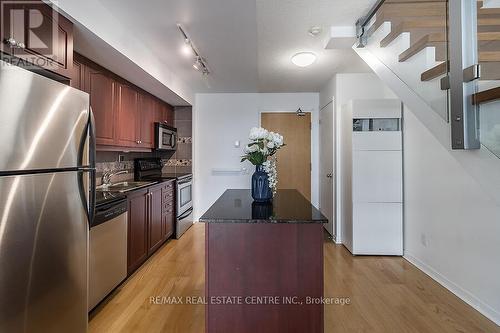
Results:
<point x="108" y="249"/>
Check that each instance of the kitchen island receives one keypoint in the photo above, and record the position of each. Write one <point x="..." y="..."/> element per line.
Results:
<point x="264" y="264"/>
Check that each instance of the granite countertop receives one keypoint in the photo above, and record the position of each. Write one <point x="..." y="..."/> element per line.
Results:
<point x="288" y="206"/>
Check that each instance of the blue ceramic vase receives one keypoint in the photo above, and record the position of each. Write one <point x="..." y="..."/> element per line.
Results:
<point x="261" y="192"/>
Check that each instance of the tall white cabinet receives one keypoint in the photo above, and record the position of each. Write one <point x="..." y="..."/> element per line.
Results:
<point x="375" y="224"/>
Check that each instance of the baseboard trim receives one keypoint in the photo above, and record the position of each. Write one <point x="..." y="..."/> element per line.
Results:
<point x="458" y="291"/>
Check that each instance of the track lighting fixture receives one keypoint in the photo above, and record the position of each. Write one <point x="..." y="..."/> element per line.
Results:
<point x="189" y="49"/>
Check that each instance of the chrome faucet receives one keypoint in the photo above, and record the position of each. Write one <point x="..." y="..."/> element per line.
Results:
<point x="106" y="176"/>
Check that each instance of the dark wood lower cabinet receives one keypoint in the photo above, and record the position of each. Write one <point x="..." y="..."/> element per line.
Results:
<point x="151" y="217"/>
<point x="137" y="229"/>
<point x="155" y="219"/>
<point x="168" y="209"/>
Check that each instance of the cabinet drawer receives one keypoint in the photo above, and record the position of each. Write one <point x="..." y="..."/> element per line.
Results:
<point x="168" y="207"/>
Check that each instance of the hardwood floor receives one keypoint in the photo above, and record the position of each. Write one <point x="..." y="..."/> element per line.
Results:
<point x="386" y="294"/>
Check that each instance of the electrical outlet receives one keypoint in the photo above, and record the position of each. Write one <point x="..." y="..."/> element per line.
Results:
<point x="121" y="158"/>
<point x="423" y="240"/>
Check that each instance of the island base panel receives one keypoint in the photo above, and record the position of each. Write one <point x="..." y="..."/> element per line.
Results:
<point x="282" y="262"/>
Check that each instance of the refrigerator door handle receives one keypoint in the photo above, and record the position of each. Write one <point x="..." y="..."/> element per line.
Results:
<point x="92" y="158"/>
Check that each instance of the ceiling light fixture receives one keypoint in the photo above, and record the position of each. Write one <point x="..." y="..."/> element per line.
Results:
<point x="304" y="59"/>
<point x="189" y="49"/>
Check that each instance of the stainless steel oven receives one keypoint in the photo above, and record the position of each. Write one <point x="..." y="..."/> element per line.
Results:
<point x="184" y="205"/>
<point x="165" y="137"/>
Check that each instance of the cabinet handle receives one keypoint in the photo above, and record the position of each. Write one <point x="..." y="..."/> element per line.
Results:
<point x="10" y="41"/>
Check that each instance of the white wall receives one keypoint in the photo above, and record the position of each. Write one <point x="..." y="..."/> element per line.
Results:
<point x="220" y="120"/>
<point x="92" y="15"/>
<point x="452" y="202"/>
<point x="452" y="225"/>
<point x="343" y="88"/>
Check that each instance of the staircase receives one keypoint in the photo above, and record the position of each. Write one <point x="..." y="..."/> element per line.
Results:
<point x="410" y="37"/>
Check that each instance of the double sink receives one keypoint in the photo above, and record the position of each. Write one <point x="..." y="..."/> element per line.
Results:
<point x="123" y="187"/>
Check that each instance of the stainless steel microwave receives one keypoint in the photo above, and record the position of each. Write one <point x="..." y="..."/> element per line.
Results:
<point x="165" y="137"/>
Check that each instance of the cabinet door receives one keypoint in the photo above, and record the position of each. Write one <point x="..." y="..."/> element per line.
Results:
<point x="102" y="100"/>
<point x="164" y="113"/>
<point x="13" y="25"/>
<point x="47" y="35"/>
<point x="147" y="114"/>
<point x="137" y="229"/>
<point x="128" y="129"/>
<point x="168" y="204"/>
<point x="155" y="219"/>
<point x="77" y="76"/>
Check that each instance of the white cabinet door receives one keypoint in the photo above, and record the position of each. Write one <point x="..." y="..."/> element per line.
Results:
<point x="378" y="229"/>
<point x="377" y="176"/>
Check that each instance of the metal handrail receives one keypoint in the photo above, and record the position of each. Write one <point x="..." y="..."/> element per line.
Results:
<point x="362" y="22"/>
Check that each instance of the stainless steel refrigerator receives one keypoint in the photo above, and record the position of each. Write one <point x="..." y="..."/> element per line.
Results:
<point x="47" y="196"/>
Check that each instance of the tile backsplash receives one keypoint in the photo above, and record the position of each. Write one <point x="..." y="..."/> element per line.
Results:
<point x="179" y="161"/>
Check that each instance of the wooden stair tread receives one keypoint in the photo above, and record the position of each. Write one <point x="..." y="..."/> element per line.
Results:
<point x="488" y="21"/>
<point x="488" y="36"/>
<point x="489" y="56"/>
<point x="432" y="26"/>
<point x="413" y="9"/>
<point x="437" y="40"/>
<point x="489" y="71"/>
<point x="489" y="95"/>
<point x="434" y="72"/>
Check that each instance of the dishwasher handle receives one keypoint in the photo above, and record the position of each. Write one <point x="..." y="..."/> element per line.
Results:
<point x="109" y="211"/>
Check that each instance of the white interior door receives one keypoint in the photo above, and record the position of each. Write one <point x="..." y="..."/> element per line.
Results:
<point x="326" y="165"/>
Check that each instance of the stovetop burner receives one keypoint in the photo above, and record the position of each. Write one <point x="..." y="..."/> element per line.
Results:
<point x="151" y="169"/>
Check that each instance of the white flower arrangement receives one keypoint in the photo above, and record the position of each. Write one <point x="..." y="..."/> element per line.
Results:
<point x="272" y="173"/>
<point x="261" y="150"/>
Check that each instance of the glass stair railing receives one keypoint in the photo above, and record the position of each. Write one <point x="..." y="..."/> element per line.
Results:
<point x="487" y="96"/>
<point x="410" y="38"/>
<point x="448" y="53"/>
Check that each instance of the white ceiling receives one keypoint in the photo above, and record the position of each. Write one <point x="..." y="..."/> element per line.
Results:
<point x="247" y="44"/>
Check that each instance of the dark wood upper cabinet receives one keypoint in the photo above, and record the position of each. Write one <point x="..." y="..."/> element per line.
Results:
<point x="146" y="114"/>
<point x="124" y="114"/>
<point x="102" y="90"/>
<point x="155" y="219"/>
<point x="138" y="212"/>
<point x="164" y="113"/>
<point x="78" y="75"/>
<point x="128" y="132"/>
<point x="38" y="35"/>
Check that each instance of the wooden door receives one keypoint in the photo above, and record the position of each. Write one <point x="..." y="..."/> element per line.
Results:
<point x="155" y="219"/>
<point x="326" y="165"/>
<point x="128" y="132"/>
<point x="137" y="229"/>
<point x="146" y="114"/>
<point x="294" y="160"/>
<point x="101" y="88"/>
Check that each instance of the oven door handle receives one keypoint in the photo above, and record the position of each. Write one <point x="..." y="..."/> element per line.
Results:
<point x="185" y="214"/>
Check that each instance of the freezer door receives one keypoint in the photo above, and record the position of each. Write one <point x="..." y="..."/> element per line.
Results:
<point x="43" y="252"/>
<point x="43" y="123"/>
